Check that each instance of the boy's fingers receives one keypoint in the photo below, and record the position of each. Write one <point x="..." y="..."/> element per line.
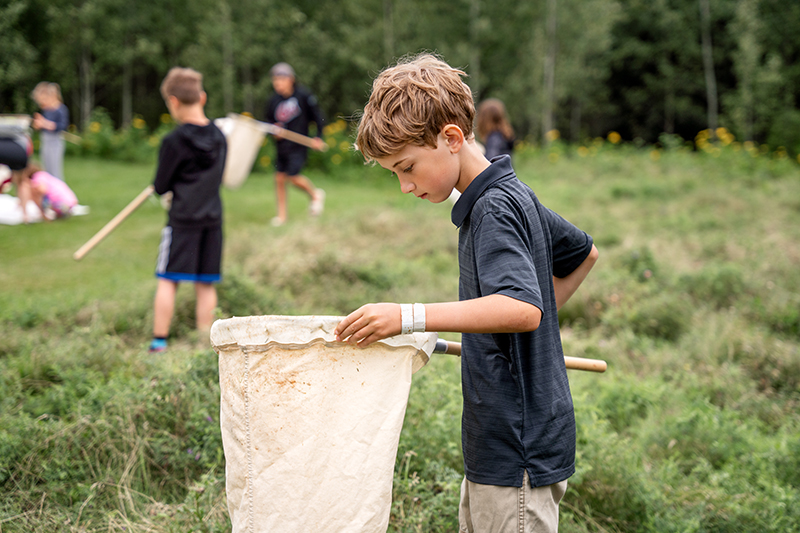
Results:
<point x="348" y="325"/>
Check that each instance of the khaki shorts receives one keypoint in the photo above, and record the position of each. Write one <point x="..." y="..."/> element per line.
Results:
<point x="493" y="509"/>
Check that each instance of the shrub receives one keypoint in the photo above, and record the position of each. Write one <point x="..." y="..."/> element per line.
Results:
<point x="623" y="403"/>
<point x="719" y="285"/>
<point x="658" y="313"/>
<point x="662" y="317"/>
<point x="641" y="263"/>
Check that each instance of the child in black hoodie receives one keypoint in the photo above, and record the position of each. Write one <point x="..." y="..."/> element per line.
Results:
<point x="190" y="165"/>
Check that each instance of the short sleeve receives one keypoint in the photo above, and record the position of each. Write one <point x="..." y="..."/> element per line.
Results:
<point x="503" y="256"/>
<point x="570" y="245"/>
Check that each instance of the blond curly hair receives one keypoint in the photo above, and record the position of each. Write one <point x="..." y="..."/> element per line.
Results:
<point x="410" y="103"/>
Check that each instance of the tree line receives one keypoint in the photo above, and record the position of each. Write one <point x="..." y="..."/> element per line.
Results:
<point x="583" y="67"/>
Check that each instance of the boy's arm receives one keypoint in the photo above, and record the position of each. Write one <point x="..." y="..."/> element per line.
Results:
<point x="168" y="162"/>
<point x="61" y="121"/>
<point x="495" y="313"/>
<point x="565" y="287"/>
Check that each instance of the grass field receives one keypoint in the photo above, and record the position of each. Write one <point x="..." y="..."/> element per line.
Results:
<point x="695" y="304"/>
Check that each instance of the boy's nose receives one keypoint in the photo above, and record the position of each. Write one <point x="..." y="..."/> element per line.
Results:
<point x="407" y="187"/>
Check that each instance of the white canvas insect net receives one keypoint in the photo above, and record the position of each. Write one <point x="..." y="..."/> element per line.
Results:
<point x="310" y="426"/>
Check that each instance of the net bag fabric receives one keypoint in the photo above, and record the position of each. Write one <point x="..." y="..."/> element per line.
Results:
<point x="310" y="426"/>
<point x="244" y="138"/>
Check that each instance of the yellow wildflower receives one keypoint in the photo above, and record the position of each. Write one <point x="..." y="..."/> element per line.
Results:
<point x="336" y="159"/>
<point x="138" y="123"/>
<point x="344" y="146"/>
<point x="248" y="114"/>
<point x="553" y="135"/>
<point x="166" y="118"/>
<point x="583" y="151"/>
<point x="95" y="127"/>
<point x="614" y="137"/>
<point x="265" y="161"/>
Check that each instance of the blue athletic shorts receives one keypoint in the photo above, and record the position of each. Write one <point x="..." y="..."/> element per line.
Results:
<point x="190" y="254"/>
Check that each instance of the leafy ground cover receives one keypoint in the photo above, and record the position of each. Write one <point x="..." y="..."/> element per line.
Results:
<point x="695" y="304"/>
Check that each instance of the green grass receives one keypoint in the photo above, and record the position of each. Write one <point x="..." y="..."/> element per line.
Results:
<point x="694" y="304"/>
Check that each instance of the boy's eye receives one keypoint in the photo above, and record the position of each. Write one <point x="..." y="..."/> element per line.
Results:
<point x="408" y="168"/>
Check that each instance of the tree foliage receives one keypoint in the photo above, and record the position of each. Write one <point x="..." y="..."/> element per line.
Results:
<point x="632" y="66"/>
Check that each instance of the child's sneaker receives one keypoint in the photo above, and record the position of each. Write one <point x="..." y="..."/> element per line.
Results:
<point x="317" y="204"/>
<point x="157" y="346"/>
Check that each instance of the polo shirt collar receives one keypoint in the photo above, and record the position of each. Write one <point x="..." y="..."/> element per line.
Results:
<point x="499" y="169"/>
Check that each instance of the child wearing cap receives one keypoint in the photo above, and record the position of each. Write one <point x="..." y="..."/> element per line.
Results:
<point x="293" y="107"/>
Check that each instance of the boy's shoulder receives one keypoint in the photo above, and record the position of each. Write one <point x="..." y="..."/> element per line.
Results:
<point x="497" y="190"/>
<point x="187" y="132"/>
<point x="192" y="140"/>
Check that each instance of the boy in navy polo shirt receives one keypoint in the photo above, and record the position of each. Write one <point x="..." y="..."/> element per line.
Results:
<point x="190" y="165"/>
<point x="519" y="263"/>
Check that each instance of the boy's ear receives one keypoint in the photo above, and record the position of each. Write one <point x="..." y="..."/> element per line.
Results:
<point x="454" y="136"/>
<point x="203" y="98"/>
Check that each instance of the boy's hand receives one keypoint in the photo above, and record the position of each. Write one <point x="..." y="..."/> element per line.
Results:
<point x="318" y="144"/>
<point x="369" y="323"/>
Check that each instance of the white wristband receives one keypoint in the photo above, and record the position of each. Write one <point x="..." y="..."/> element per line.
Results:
<point x="406" y="319"/>
<point x="419" y="318"/>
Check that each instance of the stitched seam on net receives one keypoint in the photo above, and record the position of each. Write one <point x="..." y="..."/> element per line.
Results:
<point x="249" y="454"/>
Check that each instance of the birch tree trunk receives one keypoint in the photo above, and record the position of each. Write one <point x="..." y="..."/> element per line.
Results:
<point x="475" y="49"/>
<point x="708" y="67"/>
<point x="247" y="88"/>
<point x="227" y="58"/>
<point x="550" y="70"/>
<point x="87" y="86"/>
<point x="127" y="96"/>
<point x="388" y="30"/>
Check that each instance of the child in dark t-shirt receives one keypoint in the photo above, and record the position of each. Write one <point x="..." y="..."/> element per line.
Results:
<point x="190" y="165"/>
<point x="293" y="107"/>
<point x="494" y="128"/>
<point x="519" y="263"/>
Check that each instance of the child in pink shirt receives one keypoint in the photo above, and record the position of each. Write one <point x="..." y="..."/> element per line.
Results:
<point x="45" y="190"/>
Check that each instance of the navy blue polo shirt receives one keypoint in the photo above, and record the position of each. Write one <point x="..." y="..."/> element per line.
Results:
<point x="518" y="411"/>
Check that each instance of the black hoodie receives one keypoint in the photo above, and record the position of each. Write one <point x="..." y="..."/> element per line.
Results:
<point x="190" y="164"/>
